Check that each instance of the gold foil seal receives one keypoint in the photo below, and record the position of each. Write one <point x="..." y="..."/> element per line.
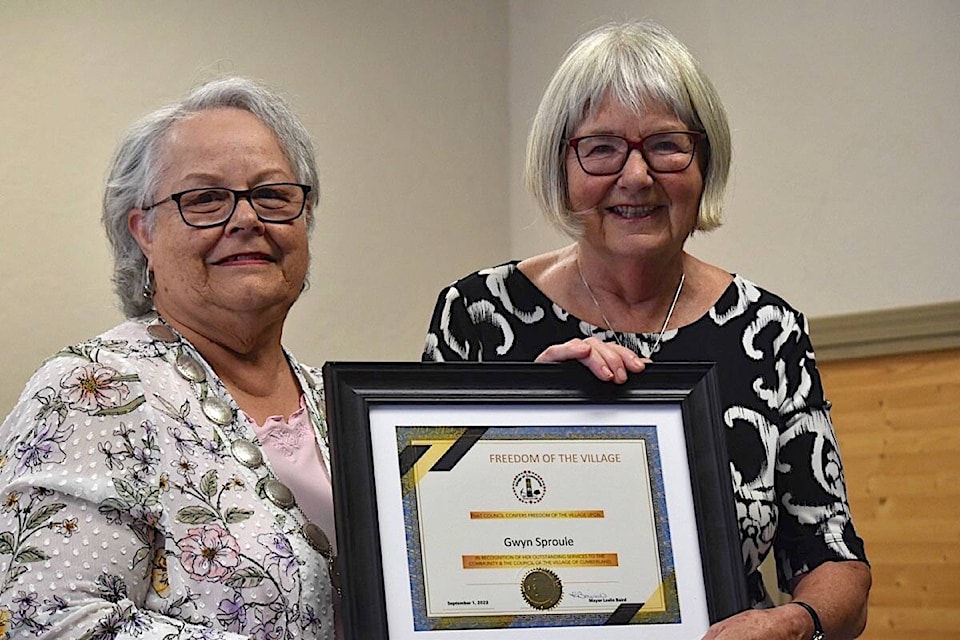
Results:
<point x="541" y="588"/>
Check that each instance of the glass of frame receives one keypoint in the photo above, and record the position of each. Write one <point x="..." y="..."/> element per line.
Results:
<point x="521" y="500"/>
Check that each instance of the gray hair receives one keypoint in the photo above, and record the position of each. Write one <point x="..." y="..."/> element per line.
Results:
<point x="138" y="162"/>
<point x="634" y="63"/>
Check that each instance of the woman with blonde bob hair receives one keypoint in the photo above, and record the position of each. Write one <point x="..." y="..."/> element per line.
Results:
<point x="628" y="155"/>
<point x="637" y="64"/>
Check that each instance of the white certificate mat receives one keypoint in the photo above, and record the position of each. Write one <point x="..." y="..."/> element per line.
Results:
<point x="537" y="521"/>
<point x="520" y="506"/>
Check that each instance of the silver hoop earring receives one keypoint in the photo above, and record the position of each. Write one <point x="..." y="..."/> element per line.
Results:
<point x="148" y="283"/>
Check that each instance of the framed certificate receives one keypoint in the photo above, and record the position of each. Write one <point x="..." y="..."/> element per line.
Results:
<point x="521" y="500"/>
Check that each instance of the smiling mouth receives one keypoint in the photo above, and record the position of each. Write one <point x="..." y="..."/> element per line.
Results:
<point x="631" y="212"/>
<point x="247" y="257"/>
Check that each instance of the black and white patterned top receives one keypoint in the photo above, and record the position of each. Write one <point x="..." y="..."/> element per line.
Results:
<point x="787" y="476"/>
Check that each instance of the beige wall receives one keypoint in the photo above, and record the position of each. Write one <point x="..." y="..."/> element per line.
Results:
<point x="406" y="101"/>
<point x="844" y="195"/>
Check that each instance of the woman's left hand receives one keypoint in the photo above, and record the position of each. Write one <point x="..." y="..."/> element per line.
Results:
<point x="606" y="360"/>
<point x="836" y="590"/>
<point x="786" y="622"/>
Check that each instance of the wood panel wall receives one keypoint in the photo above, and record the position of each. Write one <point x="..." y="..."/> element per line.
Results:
<point x="898" y="423"/>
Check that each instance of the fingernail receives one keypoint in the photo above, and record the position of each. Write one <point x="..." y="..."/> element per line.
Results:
<point x="607" y="374"/>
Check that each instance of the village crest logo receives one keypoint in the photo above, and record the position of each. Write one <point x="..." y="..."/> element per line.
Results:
<point x="529" y="487"/>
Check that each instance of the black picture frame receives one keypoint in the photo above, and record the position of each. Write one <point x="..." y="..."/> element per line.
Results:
<point x="354" y="389"/>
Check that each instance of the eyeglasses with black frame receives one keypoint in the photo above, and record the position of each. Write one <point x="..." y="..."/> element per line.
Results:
<point x="214" y="206"/>
<point x="663" y="152"/>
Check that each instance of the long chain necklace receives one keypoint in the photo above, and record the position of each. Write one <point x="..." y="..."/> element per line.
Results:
<point x="246" y="450"/>
<point x="666" y="321"/>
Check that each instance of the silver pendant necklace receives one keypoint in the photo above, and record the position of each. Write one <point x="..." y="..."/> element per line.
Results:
<point x="666" y="321"/>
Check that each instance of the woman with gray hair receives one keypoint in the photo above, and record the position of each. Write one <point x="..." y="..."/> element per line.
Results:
<point x="628" y="155"/>
<point x="169" y="477"/>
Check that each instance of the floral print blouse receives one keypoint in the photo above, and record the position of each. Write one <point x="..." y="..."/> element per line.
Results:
<point x="123" y="512"/>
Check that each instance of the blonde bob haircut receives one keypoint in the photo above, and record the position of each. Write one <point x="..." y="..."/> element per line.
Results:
<point x="635" y="63"/>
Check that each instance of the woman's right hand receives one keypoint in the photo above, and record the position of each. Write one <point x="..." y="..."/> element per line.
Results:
<point x="606" y="360"/>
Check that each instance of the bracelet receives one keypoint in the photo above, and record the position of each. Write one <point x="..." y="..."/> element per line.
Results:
<point x="817" y="627"/>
